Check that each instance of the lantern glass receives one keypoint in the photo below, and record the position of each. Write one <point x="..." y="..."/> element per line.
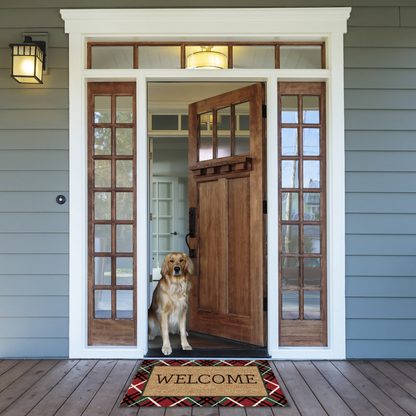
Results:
<point x="27" y="64"/>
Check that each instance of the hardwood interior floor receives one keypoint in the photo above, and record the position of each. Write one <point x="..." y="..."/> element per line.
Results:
<point x="96" y="387"/>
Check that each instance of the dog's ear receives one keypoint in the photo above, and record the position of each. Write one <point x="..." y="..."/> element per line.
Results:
<point x="189" y="265"/>
<point x="165" y="266"/>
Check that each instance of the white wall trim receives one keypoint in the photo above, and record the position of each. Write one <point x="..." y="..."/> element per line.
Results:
<point x="327" y="24"/>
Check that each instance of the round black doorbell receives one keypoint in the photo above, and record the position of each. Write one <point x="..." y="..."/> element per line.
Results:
<point x="60" y="199"/>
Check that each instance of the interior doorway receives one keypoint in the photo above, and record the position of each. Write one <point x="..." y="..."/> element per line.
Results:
<point x="169" y="196"/>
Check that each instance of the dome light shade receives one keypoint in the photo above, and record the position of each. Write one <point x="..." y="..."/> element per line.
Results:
<point x="206" y="58"/>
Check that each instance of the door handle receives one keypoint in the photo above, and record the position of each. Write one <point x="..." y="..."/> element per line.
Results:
<point x="174" y="233"/>
<point x="191" y="234"/>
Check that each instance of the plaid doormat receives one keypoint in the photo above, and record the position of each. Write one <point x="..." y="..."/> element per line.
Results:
<point x="169" y="383"/>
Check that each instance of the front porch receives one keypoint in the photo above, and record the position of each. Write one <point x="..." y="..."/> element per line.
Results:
<point x="96" y="387"/>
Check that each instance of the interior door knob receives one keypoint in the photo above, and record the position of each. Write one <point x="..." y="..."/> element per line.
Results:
<point x="174" y="233"/>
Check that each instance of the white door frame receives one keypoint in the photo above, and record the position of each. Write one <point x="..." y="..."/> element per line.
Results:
<point x="318" y="24"/>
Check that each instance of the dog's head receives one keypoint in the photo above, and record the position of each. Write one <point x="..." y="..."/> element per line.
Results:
<point x="177" y="264"/>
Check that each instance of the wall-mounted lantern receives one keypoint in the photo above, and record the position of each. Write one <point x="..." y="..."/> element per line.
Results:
<point x="28" y="61"/>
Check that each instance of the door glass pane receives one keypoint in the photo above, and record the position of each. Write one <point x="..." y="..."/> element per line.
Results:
<point x="290" y="174"/>
<point x="165" y="225"/>
<point x="254" y="56"/>
<point x="102" y="238"/>
<point x="159" y="57"/>
<point x="102" y="304"/>
<point x="312" y="304"/>
<point x="124" y="109"/>
<point x="290" y="271"/>
<point x="300" y="57"/>
<point x="124" y="205"/>
<point x="289" y="109"/>
<point x="124" y="173"/>
<point x="206" y="57"/>
<point x="102" y="173"/>
<point x="311" y="174"/>
<point x="102" y="270"/>
<point x="312" y="272"/>
<point x="165" y="207"/>
<point x="311" y="238"/>
<point x="242" y="141"/>
<point x="311" y="206"/>
<point x="311" y="142"/>
<point x="165" y="122"/>
<point x="124" y="271"/>
<point x="155" y="210"/>
<point x="112" y="57"/>
<point x="165" y="190"/>
<point x="290" y="206"/>
<point x="165" y="242"/>
<point x="102" y="206"/>
<point x="223" y="132"/>
<point x="102" y="109"/>
<point x="289" y="142"/>
<point x="290" y="238"/>
<point x="124" y="141"/>
<point x="124" y="238"/>
<point x="102" y="141"/>
<point x="124" y="304"/>
<point x="290" y="304"/>
<point x="311" y="110"/>
<point x="205" y="141"/>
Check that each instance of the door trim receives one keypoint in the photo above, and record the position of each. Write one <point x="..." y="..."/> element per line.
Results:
<point x="255" y="24"/>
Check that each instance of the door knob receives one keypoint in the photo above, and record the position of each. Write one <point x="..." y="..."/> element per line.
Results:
<point x="174" y="233"/>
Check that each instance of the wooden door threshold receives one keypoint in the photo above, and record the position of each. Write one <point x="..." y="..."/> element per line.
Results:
<point x="211" y="353"/>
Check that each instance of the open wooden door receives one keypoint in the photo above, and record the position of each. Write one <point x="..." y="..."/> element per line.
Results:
<point x="227" y="191"/>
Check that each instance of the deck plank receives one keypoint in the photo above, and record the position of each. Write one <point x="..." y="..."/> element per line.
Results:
<point x="401" y="397"/>
<point x="14" y="390"/>
<point x="205" y="411"/>
<point x="291" y="410"/>
<point x="347" y="391"/>
<point x="230" y="411"/>
<point x="259" y="411"/>
<point x="405" y="368"/>
<point x="302" y="395"/>
<point x="6" y="365"/>
<point x="372" y="393"/>
<point x="28" y="400"/>
<point x="50" y="404"/>
<point x="180" y="411"/>
<point x="16" y="372"/>
<point x="152" y="411"/>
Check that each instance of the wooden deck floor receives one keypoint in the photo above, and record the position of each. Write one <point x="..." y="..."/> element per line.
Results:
<point x="96" y="387"/>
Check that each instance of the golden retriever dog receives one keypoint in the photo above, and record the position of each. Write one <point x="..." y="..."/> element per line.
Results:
<point x="167" y="313"/>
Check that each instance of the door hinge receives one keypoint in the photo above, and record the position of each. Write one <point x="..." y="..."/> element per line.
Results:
<point x="150" y="155"/>
<point x="264" y="207"/>
<point x="264" y="110"/>
<point x="150" y="217"/>
<point x="264" y="304"/>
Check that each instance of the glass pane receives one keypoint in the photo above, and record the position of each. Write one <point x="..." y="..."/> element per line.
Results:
<point x="311" y="142"/>
<point x="124" y="271"/>
<point x="102" y="109"/>
<point x="289" y="142"/>
<point x="290" y="174"/>
<point x="165" y="122"/>
<point x="223" y="132"/>
<point x="102" y="238"/>
<point x="311" y="238"/>
<point x="311" y="206"/>
<point x="254" y="56"/>
<point x="124" y="205"/>
<point x="290" y="238"/>
<point x="312" y="304"/>
<point x="242" y="145"/>
<point x="124" y="304"/>
<point x="102" y="307"/>
<point x="124" y="141"/>
<point x="102" y="206"/>
<point x="124" y="238"/>
<point x="289" y="110"/>
<point x="102" y="141"/>
<point x="184" y="122"/>
<point x="112" y="57"/>
<point x="290" y="206"/>
<point x="312" y="272"/>
<point x="290" y="304"/>
<point x="155" y="211"/>
<point x="290" y="271"/>
<point x="165" y="190"/>
<point x="155" y="242"/>
<point x="124" y="173"/>
<point x="159" y="57"/>
<point x="165" y="208"/>
<point x="165" y="242"/>
<point x="205" y="148"/>
<point x="242" y="142"/>
<point x="155" y="264"/>
<point x="166" y="225"/>
<point x="124" y="109"/>
<point x="301" y="57"/>
<point x="206" y="57"/>
<point x="311" y="110"/>
<point x="311" y="174"/>
<point x="102" y="173"/>
<point x="102" y="270"/>
<point x="161" y="258"/>
<point x="154" y="189"/>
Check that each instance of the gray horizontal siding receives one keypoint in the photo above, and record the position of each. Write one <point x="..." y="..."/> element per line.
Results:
<point x="57" y="58"/>
<point x="34" y="306"/>
<point x="34" y="348"/>
<point x="57" y="78"/>
<point x="380" y="140"/>
<point x="392" y="329"/>
<point x="34" y="264"/>
<point x="380" y="181"/>
<point x="34" y="202"/>
<point x="382" y="349"/>
<point x="398" y="58"/>
<point x="379" y="78"/>
<point x="408" y="16"/>
<point x="380" y="286"/>
<point x="389" y="245"/>
<point x="381" y="308"/>
<point x="380" y="99"/>
<point x="380" y="161"/>
<point x="34" y="243"/>
<point x="381" y="265"/>
<point x="29" y="160"/>
<point x="37" y="181"/>
<point x="380" y="203"/>
<point x="47" y="99"/>
<point x="371" y="16"/>
<point x="374" y="224"/>
<point x="34" y="222"/>
<point x="35" y="285"/>
<point x="27" y="328"/>
<point x="34" y="139"/>
<point x="34" y="119"/>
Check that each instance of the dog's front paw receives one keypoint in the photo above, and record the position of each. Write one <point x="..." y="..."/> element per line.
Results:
<point x="186" y="347"/>
<point x="167" y="350"/>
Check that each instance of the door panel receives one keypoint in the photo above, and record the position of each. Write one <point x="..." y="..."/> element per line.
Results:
<point x="228" y="192"/>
